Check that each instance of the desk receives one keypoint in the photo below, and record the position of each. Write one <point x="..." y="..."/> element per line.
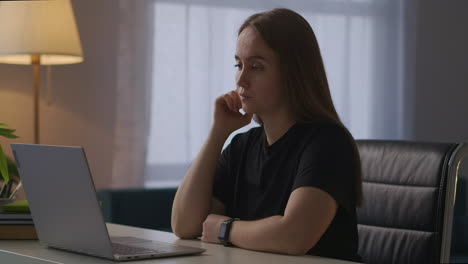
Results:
<point x="31" y="252"/>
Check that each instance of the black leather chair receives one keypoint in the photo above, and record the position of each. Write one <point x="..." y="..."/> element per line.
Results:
<point x="409" y="195"/>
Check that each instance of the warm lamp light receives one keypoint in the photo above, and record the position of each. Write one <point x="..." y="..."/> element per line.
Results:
<point x="38" y="33"/>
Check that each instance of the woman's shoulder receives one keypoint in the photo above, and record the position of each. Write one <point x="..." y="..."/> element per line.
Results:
<point x="252" y="132"/>
<point x="325" y="130"/>
<point x="246" y="137"/>
<point x="326" y="135"/>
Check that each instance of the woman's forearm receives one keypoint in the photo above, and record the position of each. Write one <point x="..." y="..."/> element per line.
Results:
<point x="272" y="234"/>
<point x="192" y="202"/>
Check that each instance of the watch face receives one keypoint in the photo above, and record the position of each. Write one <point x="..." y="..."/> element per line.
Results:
<point x="222" y="231"/>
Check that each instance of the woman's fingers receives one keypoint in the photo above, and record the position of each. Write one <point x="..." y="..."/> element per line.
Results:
<point x="236" y="99"/>
<point x="229" y="102"/>
<point x="233" y="101"/>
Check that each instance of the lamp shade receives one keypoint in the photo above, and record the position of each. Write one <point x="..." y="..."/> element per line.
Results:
<point x="44" y="28"/>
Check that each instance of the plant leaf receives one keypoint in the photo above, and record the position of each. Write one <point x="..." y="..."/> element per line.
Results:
<point x="9" y="136"/>
<point x="12" y="169"/>
<point x="3" y="124"/>
<point x="4" y="167"/>
<point x="7" y="130"/>
<point x="8" y="133"/>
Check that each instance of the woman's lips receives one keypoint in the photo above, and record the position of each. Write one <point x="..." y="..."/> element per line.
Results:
<point x="245" y="97"/>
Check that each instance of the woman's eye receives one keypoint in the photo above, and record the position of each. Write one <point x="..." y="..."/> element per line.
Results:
<point x="256" y="67"/>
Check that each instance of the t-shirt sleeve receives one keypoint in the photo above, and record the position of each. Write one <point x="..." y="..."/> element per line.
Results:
<point x="224" y="177"/>
<point x="327" y="163"/>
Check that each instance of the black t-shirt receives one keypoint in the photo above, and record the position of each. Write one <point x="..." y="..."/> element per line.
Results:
<point x="254" y="180"/>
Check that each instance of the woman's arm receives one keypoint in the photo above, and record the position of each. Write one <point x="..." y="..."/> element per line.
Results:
<point x="307" y="216"/>
<point x="193" y="200"/>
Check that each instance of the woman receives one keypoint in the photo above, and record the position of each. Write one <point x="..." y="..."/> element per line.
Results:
<point x="291" y="185"/>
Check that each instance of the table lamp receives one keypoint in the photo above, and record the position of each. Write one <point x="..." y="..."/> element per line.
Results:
<point x="38" y="33"/>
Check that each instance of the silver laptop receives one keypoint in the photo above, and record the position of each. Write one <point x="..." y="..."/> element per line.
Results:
<point x="66" y="211"/>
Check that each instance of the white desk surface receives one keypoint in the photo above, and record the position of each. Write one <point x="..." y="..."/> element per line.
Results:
<point x="31" y="252"/>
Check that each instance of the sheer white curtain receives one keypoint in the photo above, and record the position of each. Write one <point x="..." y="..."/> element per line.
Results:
<point x="194" y="45"/>
<point x="133" y="90"/>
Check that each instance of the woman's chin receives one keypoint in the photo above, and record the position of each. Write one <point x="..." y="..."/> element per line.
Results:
<point x="247" y="109"/>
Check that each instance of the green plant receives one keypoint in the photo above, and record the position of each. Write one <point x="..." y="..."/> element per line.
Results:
<point x="8" y="168"/>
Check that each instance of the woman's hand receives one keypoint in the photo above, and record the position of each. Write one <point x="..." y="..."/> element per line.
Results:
<point x="211" y="228"/>
<point x="227" y="116"/>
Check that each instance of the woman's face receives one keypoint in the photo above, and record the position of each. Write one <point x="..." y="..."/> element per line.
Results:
<point x="258" y="76"/>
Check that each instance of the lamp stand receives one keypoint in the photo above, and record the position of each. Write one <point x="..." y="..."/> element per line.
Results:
<point x="36" y="61"/>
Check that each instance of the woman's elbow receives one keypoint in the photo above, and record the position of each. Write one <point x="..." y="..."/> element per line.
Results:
<point x="184" y="232"/>
<point x="299" y="244"/>
<point x="185" y="228"/>
<point x="293" y="246"/>
<point x="297" y="250"/>
<point x="183" y="235"/>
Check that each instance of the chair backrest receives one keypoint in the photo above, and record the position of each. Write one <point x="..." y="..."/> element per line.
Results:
<point x="409" y="194"/>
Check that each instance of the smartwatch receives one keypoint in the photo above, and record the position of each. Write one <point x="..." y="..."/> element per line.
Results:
<point x="224" y="230"/>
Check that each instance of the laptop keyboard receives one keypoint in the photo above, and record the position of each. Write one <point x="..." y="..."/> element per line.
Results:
<point x="122" y="249"/>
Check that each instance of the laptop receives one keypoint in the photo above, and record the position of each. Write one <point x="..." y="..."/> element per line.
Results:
<point x="65" y="209"/>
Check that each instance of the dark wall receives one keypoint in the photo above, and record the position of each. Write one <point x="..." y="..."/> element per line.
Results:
<point x="440" y="94"/>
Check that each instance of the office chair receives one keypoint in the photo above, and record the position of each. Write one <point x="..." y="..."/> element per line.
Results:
<point x="409" y="195"/>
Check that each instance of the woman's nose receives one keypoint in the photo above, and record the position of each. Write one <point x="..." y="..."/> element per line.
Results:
<point x="242" y="80"/>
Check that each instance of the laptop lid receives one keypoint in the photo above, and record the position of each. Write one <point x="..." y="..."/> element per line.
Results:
<point x="62" y="198"/>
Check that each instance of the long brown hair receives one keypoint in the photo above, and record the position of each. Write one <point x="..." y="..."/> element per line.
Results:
<point x="303" y="72"/>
